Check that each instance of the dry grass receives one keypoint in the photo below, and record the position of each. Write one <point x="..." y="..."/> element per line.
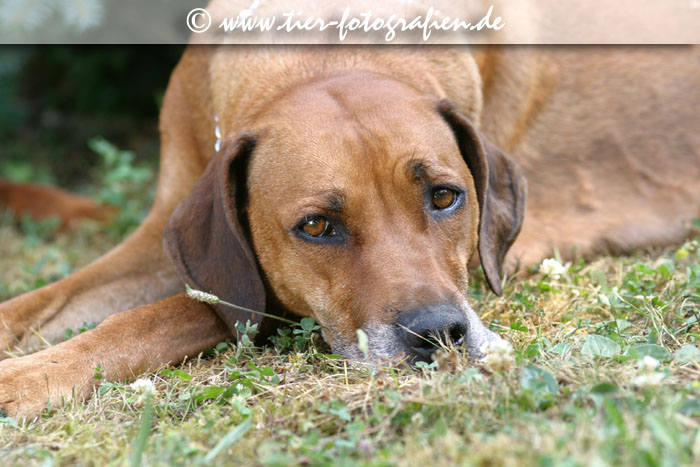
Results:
<point x="569" y="398"/>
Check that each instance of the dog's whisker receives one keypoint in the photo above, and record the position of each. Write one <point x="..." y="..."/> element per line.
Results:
<point x="423" y="338"/>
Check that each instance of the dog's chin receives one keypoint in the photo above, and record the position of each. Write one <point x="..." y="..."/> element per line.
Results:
<point x="384" y="343"/>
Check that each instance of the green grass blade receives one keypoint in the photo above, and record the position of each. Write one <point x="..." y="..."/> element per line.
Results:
<point x="230" y="438"/>
<point x="144" y="432"/>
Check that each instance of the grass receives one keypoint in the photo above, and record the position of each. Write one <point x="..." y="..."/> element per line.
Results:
<point x="578" y="392"/>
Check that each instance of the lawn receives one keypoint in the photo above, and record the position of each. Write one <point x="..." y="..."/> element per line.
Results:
<point x="605" y="369"/>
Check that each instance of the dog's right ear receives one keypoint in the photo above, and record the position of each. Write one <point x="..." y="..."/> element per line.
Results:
<point x="206" y="241"/>
<point x="500" y="187"/>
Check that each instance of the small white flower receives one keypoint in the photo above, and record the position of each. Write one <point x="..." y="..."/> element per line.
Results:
<point x="552" y="267"/>
<point x="497" y="347"/>
<point x="648" y="379"/>
<point x="143" y="385"/>
<point x="648" y="364"/>
<point x="498" y="355"/>
<point x="417" y="418"/>
<point x="648" y="375"/>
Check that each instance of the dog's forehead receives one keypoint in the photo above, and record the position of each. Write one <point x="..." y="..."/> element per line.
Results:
<point x="344" y="129"/>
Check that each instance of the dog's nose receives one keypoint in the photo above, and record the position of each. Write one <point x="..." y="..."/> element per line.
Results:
<point x="424" y="330"/>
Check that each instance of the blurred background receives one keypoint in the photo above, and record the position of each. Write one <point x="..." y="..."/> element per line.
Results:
<point x="55" y="100"/>
<point x="85" y="119"/>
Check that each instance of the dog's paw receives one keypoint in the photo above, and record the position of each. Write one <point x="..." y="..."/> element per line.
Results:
<point x="28" y="383"/>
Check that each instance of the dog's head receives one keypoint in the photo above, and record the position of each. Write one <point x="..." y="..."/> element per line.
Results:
<point x="358" y="201"/>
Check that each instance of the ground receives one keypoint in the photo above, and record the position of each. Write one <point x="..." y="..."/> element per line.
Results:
<point x="604" y="370"/>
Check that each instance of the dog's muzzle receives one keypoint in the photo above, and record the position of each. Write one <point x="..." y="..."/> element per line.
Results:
<point x="418" y="333"/>
<point x="424" y="331"/>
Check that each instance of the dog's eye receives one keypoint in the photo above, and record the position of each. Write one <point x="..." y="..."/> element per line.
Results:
<point x="443" y="198"/>
<point x="317" y="226"/>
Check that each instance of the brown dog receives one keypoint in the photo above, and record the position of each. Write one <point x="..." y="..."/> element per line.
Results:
<point x="354" y="184"/>
<point x="42" y="202"/>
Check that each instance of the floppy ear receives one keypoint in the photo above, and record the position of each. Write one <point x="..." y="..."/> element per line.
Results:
<point x="500" y="187"/>
<point x="205" y="239"/>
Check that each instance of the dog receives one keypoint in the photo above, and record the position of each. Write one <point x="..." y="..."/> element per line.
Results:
<point x="44" y="202"/>
<point x="355" y="184"/>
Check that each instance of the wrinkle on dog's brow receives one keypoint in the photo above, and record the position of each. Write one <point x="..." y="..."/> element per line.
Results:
<point x="335" y="201"/>
<point x="348" y="111"/>
<point x="418" y="170"/>
<point x="423" y="172"/>
<point x="332" y="200"/>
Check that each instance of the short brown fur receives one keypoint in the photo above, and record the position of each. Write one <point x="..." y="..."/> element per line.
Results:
<point x="606" y="138"/>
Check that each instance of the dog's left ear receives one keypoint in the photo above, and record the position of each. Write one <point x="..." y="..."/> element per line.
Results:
<point x="206" y="238"/>
<point x="501" y="191"/>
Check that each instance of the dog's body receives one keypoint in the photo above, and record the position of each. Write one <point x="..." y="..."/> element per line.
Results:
<point x="41" y="202"/>
<point x="607" y="139"/>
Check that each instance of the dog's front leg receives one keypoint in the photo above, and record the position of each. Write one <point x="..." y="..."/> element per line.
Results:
<point x="136" y="272"/>
<point x="124" y="345"/>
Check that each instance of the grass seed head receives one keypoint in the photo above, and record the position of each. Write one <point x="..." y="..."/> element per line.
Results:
<point x="202" y="296"/>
